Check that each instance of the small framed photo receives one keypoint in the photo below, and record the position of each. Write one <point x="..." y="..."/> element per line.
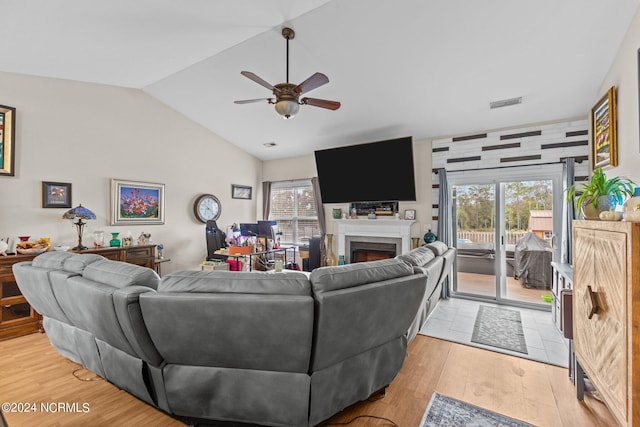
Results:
<point x="410" y="214"/>
<point x="56" y="194"/>
<point x="134" y="202"/>
<point x="240" y="192"/>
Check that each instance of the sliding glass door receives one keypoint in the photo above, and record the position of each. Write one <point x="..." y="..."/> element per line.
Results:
<point x="474" y="211"/>
<point x="504" y="224"/>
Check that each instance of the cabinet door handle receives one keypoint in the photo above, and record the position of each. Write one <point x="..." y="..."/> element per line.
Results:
<point x="591" y="301"/>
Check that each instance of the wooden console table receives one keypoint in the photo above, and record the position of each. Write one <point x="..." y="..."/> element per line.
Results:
<point x="144" y="255"/>
<point x="17" y="317"/>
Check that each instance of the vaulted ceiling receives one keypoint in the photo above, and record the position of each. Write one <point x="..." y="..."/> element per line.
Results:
<point x="425" y="68"/>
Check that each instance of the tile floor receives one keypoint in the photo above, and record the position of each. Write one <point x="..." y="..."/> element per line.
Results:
<point x="453" y="320"/>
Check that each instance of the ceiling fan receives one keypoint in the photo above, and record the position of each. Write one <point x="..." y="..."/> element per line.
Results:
<point x="287" y="95"/>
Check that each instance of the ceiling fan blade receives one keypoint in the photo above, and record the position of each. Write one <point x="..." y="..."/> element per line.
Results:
<point x="315" y="81"/>
<point x="249" y="101"/>
<point x="261" y="82"/>
<point x="322" y="103"/>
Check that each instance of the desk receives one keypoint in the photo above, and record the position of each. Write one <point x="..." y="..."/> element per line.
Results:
<point x="270" y="255"/>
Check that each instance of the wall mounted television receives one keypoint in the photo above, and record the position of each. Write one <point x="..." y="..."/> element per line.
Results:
<point x="371" y="172"/>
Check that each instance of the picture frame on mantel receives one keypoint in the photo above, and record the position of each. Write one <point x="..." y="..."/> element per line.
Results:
<point x="410" y="214"/>
<point x="241" y="192"/>
<point x="7" y="140"/>
<point x="136" y="202"/>
<point x="56" y="194"/>
<point x="604" y="138"/>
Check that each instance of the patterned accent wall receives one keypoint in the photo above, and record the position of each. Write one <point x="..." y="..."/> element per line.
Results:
<point x="515" y="147"/>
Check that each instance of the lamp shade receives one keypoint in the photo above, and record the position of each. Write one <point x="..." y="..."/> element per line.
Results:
<point x="79" y="212"/>
<point x="287" y="108"/>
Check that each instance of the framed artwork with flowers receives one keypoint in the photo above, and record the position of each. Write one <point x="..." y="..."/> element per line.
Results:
<point x="134" y="202"/>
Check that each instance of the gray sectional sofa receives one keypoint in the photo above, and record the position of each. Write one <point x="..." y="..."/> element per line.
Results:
<point x="277" y="349"/>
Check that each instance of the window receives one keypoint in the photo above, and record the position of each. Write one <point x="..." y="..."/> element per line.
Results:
<point x="293" y="206"/>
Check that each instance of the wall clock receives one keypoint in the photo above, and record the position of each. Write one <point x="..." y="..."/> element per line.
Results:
<point x="207" y="207"/>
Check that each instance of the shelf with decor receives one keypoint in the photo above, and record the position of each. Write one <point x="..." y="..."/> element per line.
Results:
<point x="17" y="317"/>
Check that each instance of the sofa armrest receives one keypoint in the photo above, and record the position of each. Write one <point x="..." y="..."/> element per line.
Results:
<point x="126" y="302"/>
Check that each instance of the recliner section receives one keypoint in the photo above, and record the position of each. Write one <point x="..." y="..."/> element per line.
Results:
<point x="285" y="349"/>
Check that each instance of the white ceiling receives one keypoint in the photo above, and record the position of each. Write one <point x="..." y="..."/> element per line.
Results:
<point x="425" y="68"/>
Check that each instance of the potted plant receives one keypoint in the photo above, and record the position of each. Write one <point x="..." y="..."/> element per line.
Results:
<point x="599" y="193"/>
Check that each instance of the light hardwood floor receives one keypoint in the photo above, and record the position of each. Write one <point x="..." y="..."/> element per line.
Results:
<point x="32" y="371"/>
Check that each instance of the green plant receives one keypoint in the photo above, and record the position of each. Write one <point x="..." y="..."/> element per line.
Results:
<point x="618" y="188"/>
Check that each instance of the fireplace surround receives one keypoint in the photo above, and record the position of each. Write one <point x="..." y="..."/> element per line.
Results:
<point x="374" y="231"/>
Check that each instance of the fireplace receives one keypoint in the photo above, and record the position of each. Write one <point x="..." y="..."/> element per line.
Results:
<point x="373" y="239"/>
<point x="370" y="251"/>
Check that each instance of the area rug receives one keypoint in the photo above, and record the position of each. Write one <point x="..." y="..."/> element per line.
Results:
<point x="499" y="327"/>
<point x="446" y="411"/>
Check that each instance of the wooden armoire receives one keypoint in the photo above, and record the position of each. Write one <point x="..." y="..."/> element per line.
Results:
<point x="606" y="313"/>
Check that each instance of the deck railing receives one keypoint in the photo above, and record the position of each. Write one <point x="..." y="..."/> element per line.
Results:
<point x="489" y="236"/>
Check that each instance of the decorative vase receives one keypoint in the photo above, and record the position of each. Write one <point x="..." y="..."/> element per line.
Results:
<point x="114" y="242"/>
<point x="331" y="257"/>
<point x="337" y="213"/>
<point x="631" y="210"/>
<point x="98" y="239"/>
<point x="605" y="203"/>
<point x="429" y="237"/>
<point x="415" y="242"/>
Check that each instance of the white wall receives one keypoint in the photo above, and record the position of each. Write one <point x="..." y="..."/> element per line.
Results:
<point x="86" y="134"/>
<point x="305" y="167"/>
<point x="624" y="75"/>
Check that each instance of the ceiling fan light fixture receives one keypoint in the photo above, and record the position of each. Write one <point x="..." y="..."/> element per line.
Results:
<point x="287" y="108"/>
<point x="287" y="95"/>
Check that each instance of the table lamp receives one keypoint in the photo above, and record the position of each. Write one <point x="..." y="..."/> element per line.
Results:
<point x="79" y="213"/>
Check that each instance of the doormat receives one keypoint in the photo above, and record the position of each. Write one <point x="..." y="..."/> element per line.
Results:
<point x="499" y="327"/>
<point x="446" y="411"/>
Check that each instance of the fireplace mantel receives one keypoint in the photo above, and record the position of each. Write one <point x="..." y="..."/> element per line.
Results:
<point x="391" y="228"/>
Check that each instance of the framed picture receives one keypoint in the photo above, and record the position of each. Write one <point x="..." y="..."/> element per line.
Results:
<point x="56" y="194"/>
<point x="7" y="140"/>
<point x="604" y="138"/>
<point x="134" y="202"/>
<point x="410" y="214"/>
<point x="240" y="192"/>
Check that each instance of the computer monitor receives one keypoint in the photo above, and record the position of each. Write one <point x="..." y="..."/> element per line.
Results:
<point x="249" y="229"/>
<point x="265" y="228"/>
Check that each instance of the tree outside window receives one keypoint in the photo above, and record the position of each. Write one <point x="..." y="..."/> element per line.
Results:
<point x="293" y="207"/>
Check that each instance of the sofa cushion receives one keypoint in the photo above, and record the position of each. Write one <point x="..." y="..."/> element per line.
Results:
<point x="255" y="282"/>
<point x="325" y="279"/>
<point x="78" y="262"/>
<point x="52" y="260"/>
<point x="438" y="247"/>
<point x="417" y="257"/>
<point x="120" y="274"/>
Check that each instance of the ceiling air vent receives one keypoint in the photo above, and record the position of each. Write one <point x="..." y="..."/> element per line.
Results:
<point x="505" y="102"/>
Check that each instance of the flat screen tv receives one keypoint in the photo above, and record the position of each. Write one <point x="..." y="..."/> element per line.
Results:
<point x="372" y="172"/>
